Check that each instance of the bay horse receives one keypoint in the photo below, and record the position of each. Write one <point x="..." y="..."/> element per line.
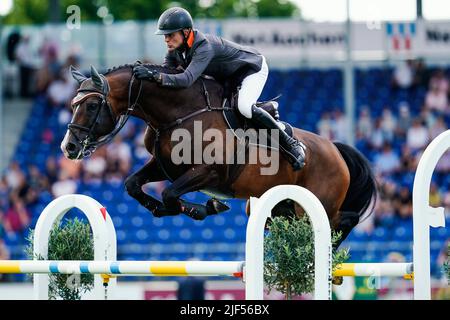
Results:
<point x="336" y="173"/>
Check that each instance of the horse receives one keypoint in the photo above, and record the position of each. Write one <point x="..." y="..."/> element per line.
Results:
<point x="338" y="174"/>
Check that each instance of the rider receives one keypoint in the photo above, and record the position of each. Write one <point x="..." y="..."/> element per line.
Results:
<point x="200" y="53"/>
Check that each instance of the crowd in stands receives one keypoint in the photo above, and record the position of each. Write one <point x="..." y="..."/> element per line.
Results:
<point x="393" y="141"/>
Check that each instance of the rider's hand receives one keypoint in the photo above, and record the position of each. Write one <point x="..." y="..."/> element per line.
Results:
<point x="143" y="73"/>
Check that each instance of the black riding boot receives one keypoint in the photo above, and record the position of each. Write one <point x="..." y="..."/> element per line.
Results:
<point x="291" y="147"/>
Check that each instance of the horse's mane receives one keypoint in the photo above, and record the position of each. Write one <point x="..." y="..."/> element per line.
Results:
<point x="156" y="67"/>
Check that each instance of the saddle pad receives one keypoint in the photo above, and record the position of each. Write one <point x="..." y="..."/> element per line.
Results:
<point x="235" y="122"/>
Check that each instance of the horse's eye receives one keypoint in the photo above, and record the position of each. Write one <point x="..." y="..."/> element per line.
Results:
<point x="92" y="107"/>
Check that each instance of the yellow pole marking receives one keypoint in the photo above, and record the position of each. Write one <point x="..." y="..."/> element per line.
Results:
<point x="175" y="268"/>
<point x="345" y="270"/>
<point x="10" y="267"/>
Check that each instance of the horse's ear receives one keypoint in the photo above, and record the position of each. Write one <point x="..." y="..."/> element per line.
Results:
<point x="96" y="78"/>
<point x="77" y="75"/>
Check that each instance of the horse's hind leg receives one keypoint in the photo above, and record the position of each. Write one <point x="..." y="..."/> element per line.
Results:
<point x="348" y="220"/>
<point x="194" y="179"/>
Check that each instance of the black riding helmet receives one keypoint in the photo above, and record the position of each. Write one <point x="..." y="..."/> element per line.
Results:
<point x="174" y="19"/>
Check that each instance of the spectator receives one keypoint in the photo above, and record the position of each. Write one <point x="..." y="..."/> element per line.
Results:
<point x="339" y="126"/>
<point x="64" y="117"/>
<point x="407" y="160"/>
<point x="422" y="73"/>
<point x="48" y="136"/>
<point x="61" y="90"/>
<point x="438" y="127"/>
<point x="384" y="212"/>
<point x="25" y="59"/>
<point x="15" y="176"/>
<point x="191" y="288"/>
<point x="377" y="140"/>
<point x="70" y="167"/>
<point x="94" y="167"/>
<point x="365" y="123"/>
<point x="17" y="218"/>
<point x="417" y="136"/>
<point x="324" y="126"/>
<point x="403" y="203"/>
<point x="51" y="170"/>
<point x="436" y="99"/>
<point x="72" y="60"/>
<point x="435" y="196"/>
<point x="404" y="120"/>
<point x="388" y="161"/>
<point x="4" y="194"/>
<point x="439" y="81"/>
<point x="119" y="156"/>
<point x="388" y="124"/>
<point x="64" y="185"/>
<point x="404" y="75"/>
<point x="37" y="180"/>
<point x="49" y="53"/>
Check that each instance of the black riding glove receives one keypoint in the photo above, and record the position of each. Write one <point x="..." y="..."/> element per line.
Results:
<point x="143" y="73"/>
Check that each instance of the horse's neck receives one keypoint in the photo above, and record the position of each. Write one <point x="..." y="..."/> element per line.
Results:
<point x="163" y="105"/>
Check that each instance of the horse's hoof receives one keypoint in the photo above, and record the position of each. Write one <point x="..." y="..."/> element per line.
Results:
<point x="338" y="280"/>
<point x="196" y="213"/>
<point x="215" y="206"/>
<point x="163" y="212"/>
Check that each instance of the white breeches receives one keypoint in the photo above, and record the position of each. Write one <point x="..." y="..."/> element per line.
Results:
<point x="251" y="89"/>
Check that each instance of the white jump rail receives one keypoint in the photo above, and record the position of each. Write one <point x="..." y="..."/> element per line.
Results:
<point x="105" y="243"/>
<point x="254" y="250"/>
<point x="425" y="216"/>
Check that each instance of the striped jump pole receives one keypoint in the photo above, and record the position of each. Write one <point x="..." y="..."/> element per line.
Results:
<point x="146" y="268"/>
<point x="183" y="268"/>
<point x="374" y="270"/>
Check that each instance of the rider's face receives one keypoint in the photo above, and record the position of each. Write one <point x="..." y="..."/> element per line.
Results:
<point x="173" y="40"/>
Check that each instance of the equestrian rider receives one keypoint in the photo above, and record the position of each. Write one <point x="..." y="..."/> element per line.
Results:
<point x="200" y="53"/>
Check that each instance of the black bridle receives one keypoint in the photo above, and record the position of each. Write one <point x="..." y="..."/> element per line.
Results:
<point x="89" y="142"/>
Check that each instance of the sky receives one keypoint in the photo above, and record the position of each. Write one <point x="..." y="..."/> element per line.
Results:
<point x="373" y="10"/>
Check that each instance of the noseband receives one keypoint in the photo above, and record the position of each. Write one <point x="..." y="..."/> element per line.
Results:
<point x="89" y="142"/>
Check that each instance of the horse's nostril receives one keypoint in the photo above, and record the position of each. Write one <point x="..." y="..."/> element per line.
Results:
<point x="71" y="147"/>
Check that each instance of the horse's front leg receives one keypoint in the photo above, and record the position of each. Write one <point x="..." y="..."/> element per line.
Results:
<point x="150" y="172"/>
<point x="196" y="178"/>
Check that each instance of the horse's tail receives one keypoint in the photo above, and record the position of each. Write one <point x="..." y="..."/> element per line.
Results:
<point x="362" y="190"/>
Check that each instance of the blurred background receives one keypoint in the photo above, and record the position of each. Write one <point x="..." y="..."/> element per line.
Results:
<point x="374" y="74"/>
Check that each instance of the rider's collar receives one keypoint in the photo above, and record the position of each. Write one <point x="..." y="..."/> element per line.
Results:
<point x="190" y="39"/>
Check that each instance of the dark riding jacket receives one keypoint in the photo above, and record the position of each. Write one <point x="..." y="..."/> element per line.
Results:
<point x="213" y="56"/>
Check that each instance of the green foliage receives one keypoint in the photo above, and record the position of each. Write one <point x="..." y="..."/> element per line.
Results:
<point x="37" y="11"/>
<point x="289" y="256"/>
<point x="71" y="240"/>
<point x="28" y="12"/>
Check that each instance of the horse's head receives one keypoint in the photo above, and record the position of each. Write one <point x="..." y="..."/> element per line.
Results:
<point x="94" y="121"/>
